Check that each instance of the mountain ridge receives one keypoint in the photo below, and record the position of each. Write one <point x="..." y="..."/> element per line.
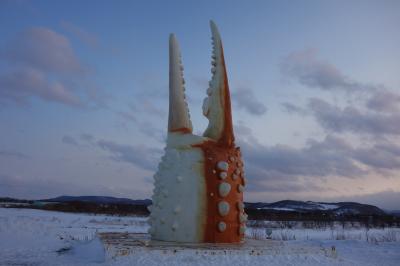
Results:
<point x="336" y="208"/>
<point x="98" y="199"/>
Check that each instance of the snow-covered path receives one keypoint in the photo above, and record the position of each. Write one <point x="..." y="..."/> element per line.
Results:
<point x="34" y="237"/>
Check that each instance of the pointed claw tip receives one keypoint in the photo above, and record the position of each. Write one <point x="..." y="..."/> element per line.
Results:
<point x="212" y="23"/>
<point x="214" y="28"/>
<point x="179" y="118"/>
<point x="174" y="45"/>
<point x="172" y="37"/>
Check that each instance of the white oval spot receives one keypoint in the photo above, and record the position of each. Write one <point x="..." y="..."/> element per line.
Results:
<point x="240" y="206"/>
<point x="231" y="158"/>
<point x="223" y="208"/>
<point x="237" y="171"/>
<point x="174" y="226"/>
<point x="223" y="166"/>
<point x="221" y="226"/>
<point x="177" y="209"/>
<point x="235" y="176"/>
<point x="240" y="188"/>
<point x="223" y="175"/>
<point x="224" y="189"/>
<point x="242" y="218"/>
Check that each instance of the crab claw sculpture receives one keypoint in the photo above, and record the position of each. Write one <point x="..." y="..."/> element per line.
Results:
<point x="198" y="194"/>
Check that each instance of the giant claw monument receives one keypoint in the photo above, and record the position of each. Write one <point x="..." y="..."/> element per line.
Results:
<point x="198" y="194"/>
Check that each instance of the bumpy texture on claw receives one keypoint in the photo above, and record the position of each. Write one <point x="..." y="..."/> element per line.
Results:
<point x="196" y="196"/>
<point x="179" y="118"/>
<point x="218" y="103"/>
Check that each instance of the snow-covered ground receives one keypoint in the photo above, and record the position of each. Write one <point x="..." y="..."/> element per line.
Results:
<point x="34" y="237"/>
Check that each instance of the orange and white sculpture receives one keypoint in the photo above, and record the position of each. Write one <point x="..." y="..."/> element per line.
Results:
<point x="198" y="194"/>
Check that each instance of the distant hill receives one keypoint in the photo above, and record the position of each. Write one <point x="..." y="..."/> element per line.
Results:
<point x="338" y="208"/>
<point x="13" y="200"/>
<point x="279" y="207"/>
<point x="99" y="200"/>
<point x="395" y="213"/>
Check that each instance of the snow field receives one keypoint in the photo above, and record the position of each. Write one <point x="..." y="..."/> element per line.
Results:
<point x="35" y="237"/>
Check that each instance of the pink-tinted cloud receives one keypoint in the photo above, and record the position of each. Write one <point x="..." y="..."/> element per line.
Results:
<point x="41" y="63"/>
<point x="384" y="101"/>
<point x="307" y="68"/>
<point x="22" y="84"/>
<point x="44" y="49"/>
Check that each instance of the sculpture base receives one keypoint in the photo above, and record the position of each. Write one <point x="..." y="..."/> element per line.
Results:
<point x="124" y="244"/>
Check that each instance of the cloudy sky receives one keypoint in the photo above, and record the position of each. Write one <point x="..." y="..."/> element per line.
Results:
<point x="315" y="87"/>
